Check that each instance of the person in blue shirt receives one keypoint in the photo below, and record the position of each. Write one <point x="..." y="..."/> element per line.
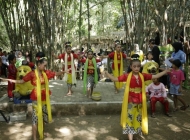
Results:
<point x="178" y="53"/>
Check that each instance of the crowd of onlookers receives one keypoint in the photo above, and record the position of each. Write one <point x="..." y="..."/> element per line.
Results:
<point x="20" y="56"/>
<point x="181" y="51"/>
<point x="172" y="82"/>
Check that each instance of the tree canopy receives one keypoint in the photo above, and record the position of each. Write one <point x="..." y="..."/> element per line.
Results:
<point x="47" y="24"/>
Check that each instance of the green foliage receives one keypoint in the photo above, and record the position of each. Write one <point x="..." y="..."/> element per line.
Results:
<point x="166" y="50"/>
<point x="50" y="23"/>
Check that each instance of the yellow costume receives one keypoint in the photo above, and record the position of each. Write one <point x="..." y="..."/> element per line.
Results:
<point x="131" y="112"/>
<point x="151" y="68"/>
<point x="140" y="53"/>
<point x="40" y="102"/>
<point x="24" y="88"/>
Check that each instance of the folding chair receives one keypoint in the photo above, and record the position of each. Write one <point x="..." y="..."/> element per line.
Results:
<point x="5" y="118"/>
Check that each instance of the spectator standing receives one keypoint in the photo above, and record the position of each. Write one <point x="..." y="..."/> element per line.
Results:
<point x="178" y="53"/>
<point x="1" y="53"/>
<point x="155" y="51"/>
<point x="176" y="80"/>
<point x="157" y="39"/>
<point x="5" y="63"/>
<point x="11" y="75"/>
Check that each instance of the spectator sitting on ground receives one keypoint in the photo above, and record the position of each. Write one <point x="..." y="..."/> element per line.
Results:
<point x="157" y="92"/>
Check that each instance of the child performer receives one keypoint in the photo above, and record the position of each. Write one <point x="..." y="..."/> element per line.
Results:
<point x="11" y="75"/>
<point x="134" y="108"/>
<point x="68" y="58"/>
<point x="117" y="66"/>
<point x="90" y="77"/>
<point x="157" y="92"/>
<point x="176" y="80"/>
<point x="40" y="94"/>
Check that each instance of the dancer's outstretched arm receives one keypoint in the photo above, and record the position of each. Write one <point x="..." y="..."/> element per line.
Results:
<point x="12" y="80"/>
<point x="161" y="73"/>
<point x="62" y="72"/>
<point x="114" y="79"/>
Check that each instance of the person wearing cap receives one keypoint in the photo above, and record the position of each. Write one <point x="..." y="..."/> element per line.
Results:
<point x="68" y="58"/>
<point x="155" y="51"/>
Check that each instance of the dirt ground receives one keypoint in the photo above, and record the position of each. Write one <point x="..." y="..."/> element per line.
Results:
<point x="100" y="128"/>
<point x="103" y="127"/>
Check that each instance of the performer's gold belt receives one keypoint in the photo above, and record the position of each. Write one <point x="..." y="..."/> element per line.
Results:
<point x="135" y="90"/>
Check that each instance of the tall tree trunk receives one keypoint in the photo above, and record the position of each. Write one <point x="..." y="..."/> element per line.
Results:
<point x="89" y="26"/>
<point x="102" y="18"/>
<point x="80" y="22"/>
<point x="123" y="7"/>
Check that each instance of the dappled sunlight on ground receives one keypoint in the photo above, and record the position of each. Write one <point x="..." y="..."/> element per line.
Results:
<point x="111" y="138"/>
<point x="81" y="128"/>
<point x="83" y="122"/>
<point x="97" y="128"/>
<point x="174" y="128"/>
<point x="18" y="131"/>
<point x="70" y="121"/>
<point x="69" y="131"/>
<point x="186" y="125"/>
<point x="55" y="83"/>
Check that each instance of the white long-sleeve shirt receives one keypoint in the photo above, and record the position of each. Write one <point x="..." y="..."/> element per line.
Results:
<point x="5" y="60"/>
<point x="146" y="61"/>
<point x="156" y="90"/>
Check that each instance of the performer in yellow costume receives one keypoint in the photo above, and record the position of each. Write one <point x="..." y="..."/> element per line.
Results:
<point x="40" y="94"/>
<point x="68" y="59"/>
<point x="117" y="66"/>
<point x="134" y="118"/>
